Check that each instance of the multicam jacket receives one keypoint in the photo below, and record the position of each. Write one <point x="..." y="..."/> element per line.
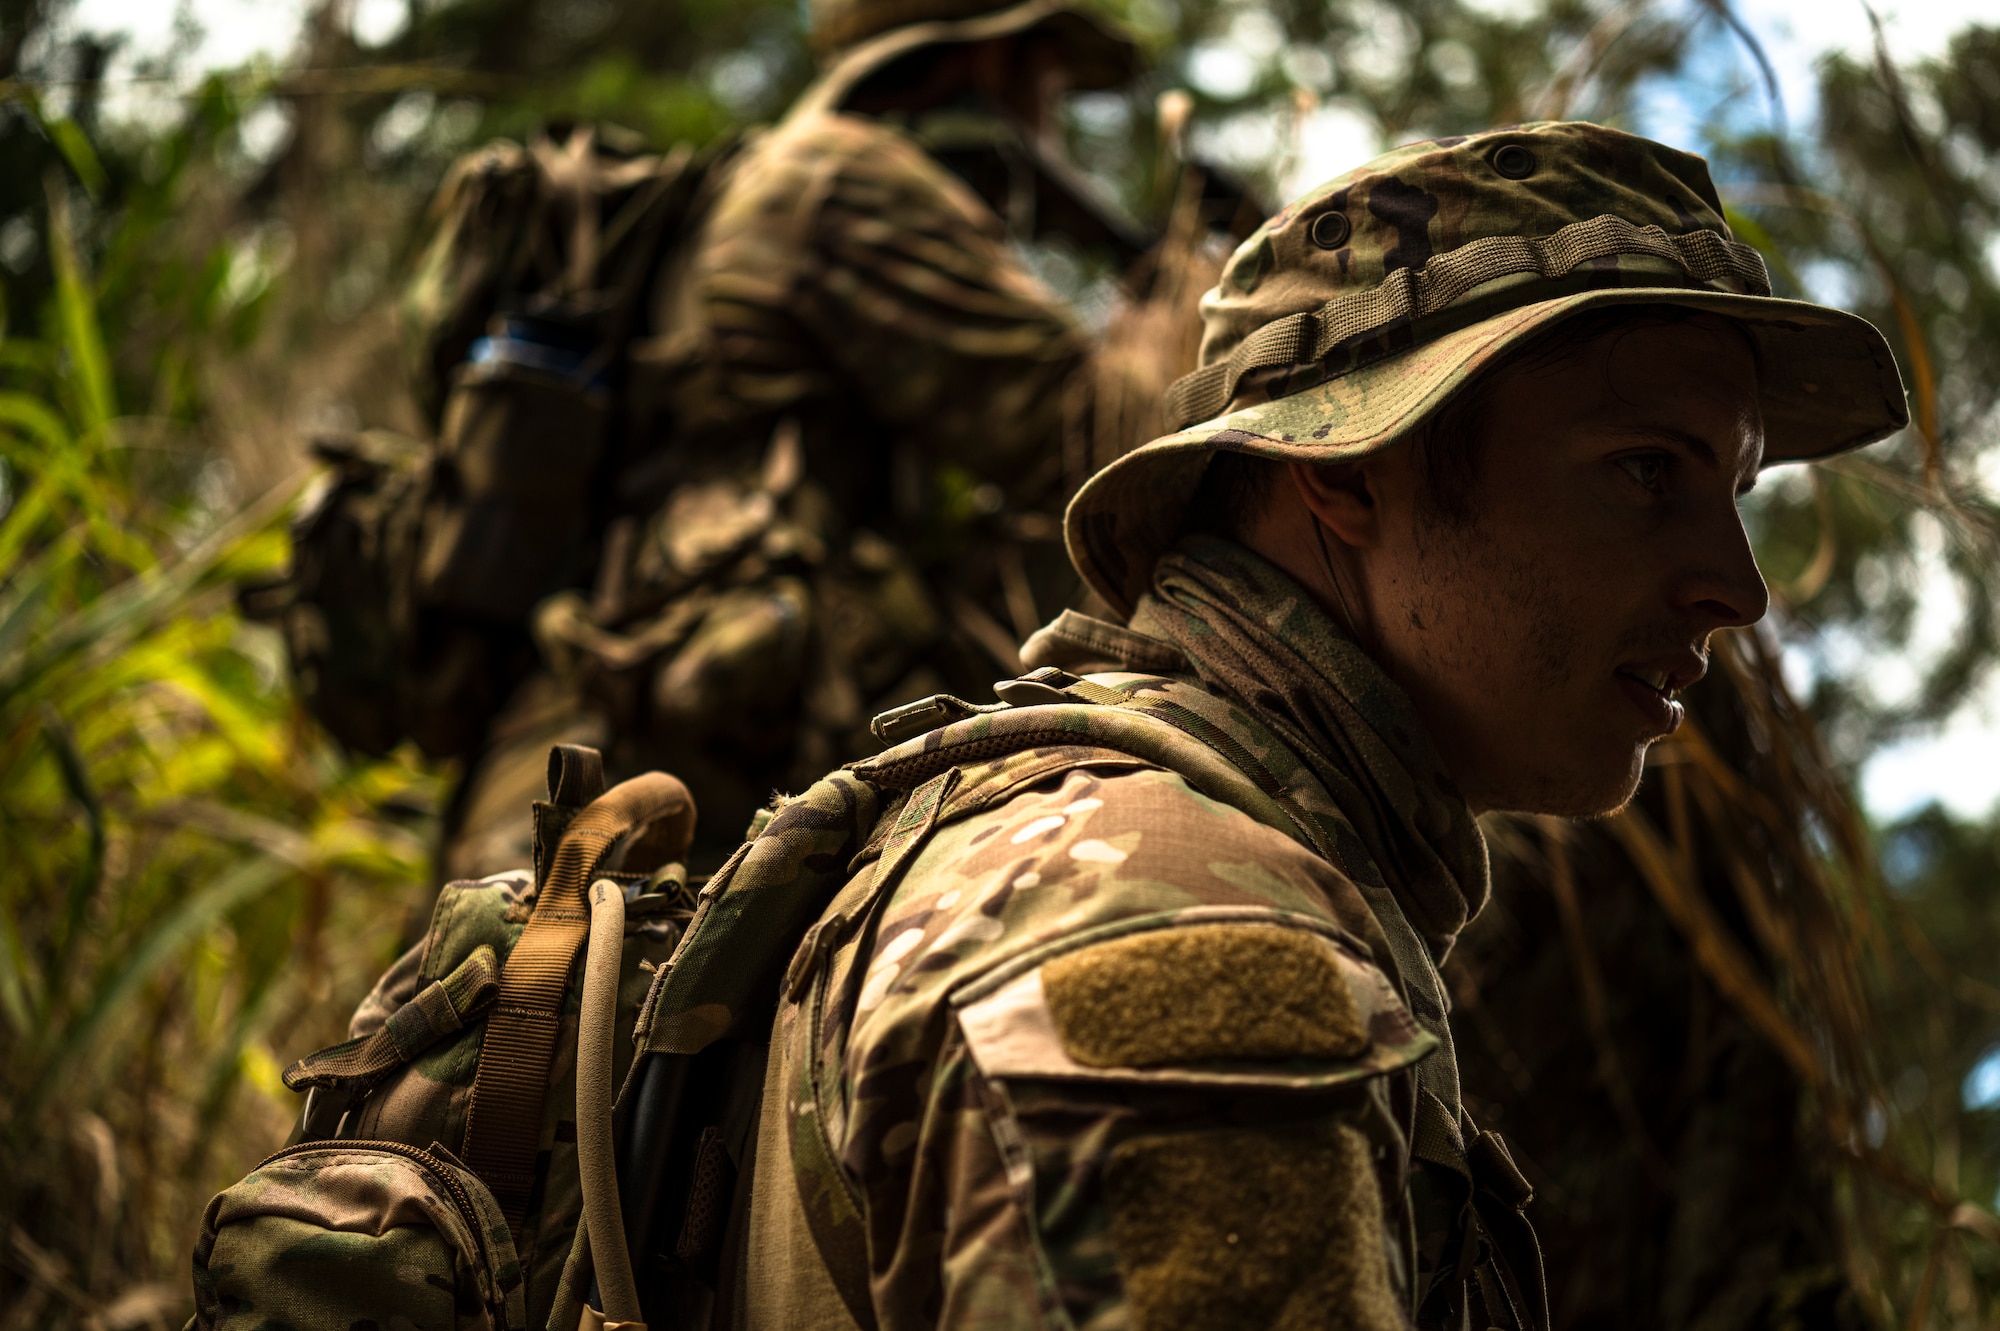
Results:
<point x="1123" y="1044"/>
<point x="843" y="273"/>
<point x="841" y="462"/>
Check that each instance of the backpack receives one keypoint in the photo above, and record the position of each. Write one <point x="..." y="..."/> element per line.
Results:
<point x="434" y="1177"/>
<point x="415" y="568"/>
<point x="680" y="1018"/>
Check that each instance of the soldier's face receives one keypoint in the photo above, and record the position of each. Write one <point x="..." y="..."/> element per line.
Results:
<point x="1544" y="640"/>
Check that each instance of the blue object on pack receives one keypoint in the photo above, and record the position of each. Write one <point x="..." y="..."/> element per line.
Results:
<point x="540" y="344"/>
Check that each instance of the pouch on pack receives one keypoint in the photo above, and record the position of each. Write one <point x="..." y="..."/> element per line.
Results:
<point x="521" y="311"/>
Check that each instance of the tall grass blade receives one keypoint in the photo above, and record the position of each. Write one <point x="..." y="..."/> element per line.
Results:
<point x="90" y="869"/>
<point x="114" y="989"/>
<point x="76" y="308"/>
<point x="76" y="150"/>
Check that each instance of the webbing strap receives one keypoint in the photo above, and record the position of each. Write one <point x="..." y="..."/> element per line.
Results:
<point x="1509" y="1268"/>
<point x="1308" y="338"/>
<point x="438" y="1009"/>
<point x="568" y="172"/>
<point x="504" y="1121"/>
<point x="1438" y="1136"/>
<point x="834" y="1212"/>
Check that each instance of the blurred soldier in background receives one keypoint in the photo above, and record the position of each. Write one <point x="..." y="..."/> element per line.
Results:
<point x="835" y="488"/>
<point x="736" y="449"/>
<point x="853" y="336"/>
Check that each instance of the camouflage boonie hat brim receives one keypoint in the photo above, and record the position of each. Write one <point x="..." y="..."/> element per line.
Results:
<point x="1353" y="315"/>
<point x="856" y="38"/>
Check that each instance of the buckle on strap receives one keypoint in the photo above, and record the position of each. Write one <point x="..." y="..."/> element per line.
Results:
<point x="1051" y="685"/>
<point x="1036" y="688"/>
<point x="1494" y="1171"/>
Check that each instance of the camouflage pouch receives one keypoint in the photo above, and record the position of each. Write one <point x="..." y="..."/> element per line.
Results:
<point x="331" y="1236"/>
<point x="509" y="512"/>
<point x="373" y="664"/>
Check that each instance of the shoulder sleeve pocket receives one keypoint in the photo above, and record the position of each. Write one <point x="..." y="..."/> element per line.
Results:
<point x="1192" y="1111"/>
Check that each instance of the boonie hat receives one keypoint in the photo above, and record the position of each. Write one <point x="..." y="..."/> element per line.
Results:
<point x="1349" y="318"/>
<point x="857" y="38"/>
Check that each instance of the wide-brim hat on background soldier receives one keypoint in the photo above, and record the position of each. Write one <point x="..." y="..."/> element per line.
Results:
<point x="856" y="39"/>
<point x="1346" y="321"/>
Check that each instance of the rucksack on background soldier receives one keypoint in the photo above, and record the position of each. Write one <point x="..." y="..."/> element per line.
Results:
<point x="1116" y="1003"/>
<point x="735" y="449"/>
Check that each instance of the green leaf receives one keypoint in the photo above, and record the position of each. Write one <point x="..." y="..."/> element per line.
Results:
<point x="31" y="589"/>
<point x="26" y="356"/>
<point x="19" y="987"/>
<point x="34" y="418"/>
<point x="163" y="940"/>
<point x="75" y="147"/>
<point x="90" y="870"/>
<point x="23" y="521"/>
<point x="76" y="307"/>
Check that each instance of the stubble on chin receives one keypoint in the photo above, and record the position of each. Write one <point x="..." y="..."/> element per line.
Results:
<point x="1493" y="621"/>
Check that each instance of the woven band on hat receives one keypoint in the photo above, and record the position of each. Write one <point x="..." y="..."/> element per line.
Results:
<point x="504" y="1121"/>
<point x="1309" y="337"/>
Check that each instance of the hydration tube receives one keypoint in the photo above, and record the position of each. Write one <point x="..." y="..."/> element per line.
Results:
<point x="596" y="1156"/>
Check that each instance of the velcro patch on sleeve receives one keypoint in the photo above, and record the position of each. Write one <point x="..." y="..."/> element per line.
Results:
<point x="1218" y="991"/>
<point x="1272" y="1227"/>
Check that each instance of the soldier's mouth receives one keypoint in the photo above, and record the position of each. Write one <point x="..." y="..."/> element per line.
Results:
<point x="1652" y="691"/>
<point x="1668" y="672"/>
<point x="1659" y="681"/>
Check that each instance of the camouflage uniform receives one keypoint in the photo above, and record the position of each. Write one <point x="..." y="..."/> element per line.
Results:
<point x="1117" y="1051"/>
<point x="863" y="386"/>
<point x="1114" y="1049"/>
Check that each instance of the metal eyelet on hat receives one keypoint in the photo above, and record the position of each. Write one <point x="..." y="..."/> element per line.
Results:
<point x="1514" y="162"/>
<point x="1330" y="230"/>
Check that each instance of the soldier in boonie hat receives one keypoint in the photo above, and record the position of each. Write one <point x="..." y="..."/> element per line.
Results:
<point x="1131" y="1013"/>
<point x="977" y="84"/>
<point x="1359" y="311"/>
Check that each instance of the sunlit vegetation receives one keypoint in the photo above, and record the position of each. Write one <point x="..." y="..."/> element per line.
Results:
<point x="195" y="877"/>
<point x="196" y="884"/>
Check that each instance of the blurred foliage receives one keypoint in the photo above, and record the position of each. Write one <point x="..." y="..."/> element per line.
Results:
<point x="1896" y="212"/>
<point x="201" y="886"/>
<point x="194" y="875"/>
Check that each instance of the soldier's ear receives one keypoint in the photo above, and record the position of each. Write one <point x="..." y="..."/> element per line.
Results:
<point x="1344" y="497"/>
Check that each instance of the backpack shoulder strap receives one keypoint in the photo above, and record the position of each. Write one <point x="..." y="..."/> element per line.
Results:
<point x="1087" y="715"/>
<point x="753" y="912"/>
<point x="504" y="1120"/>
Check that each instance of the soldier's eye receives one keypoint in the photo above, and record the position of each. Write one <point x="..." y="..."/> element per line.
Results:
<point x="1648" y="469"/>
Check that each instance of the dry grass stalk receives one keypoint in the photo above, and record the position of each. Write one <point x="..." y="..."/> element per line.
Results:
<point x="1798" y="857"/>
<point x="1149" y="342"/>
<point x="1590" y="983"/>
